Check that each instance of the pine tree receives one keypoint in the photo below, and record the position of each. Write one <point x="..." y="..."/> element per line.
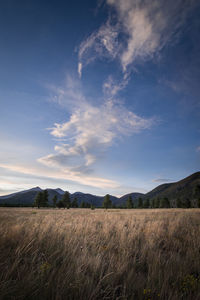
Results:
<point x="82" y="204"/>
<point x="165" y="203"/>
<point x="157" y="203"/>
<point x="146" y="203"/>
<point x="179" y="203"/>
<point x="75" y="203"/>
<point x="55" y="199"/>
<point x="38" y="199"/>
<point x="152" y="203"/>
<point x="140" y="203"/>
<point x="188" y="203"/>
<point x="60" y="204"/>
<point x="197" y="194"/>
<point x="129" y="202"/>
<point x="45" y="197"/>
<point x="197" y="191"/>
<point x="107" y="203"/>
<point x="66" y="200"/>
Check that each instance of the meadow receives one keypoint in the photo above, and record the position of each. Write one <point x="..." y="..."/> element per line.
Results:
<point x="99" y="254"/>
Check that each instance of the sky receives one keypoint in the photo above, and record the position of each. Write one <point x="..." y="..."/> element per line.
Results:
<point x="98" y="96"/>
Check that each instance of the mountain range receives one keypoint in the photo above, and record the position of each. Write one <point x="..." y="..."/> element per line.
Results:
<point x="182" y="189"/>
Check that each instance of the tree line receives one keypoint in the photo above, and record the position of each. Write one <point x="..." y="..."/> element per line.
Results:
<point x="42" y="200"/>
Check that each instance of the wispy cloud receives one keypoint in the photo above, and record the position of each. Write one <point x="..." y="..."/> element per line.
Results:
<point x="161" y="180"/>
<point x="15" y="178"/>
<point x="136" y="31"/>
<point x="102" y="43"/>
<point x="111" y="87"/>
<point x="198" y="149"/>
<point x="80" y="69"/>
<point x="90" y="131"/>
<point x="63" y="174"/>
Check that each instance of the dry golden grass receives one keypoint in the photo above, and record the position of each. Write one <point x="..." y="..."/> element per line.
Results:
<point x="97" y="254"/>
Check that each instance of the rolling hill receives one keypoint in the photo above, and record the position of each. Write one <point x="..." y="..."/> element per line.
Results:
<point x="182" y="189"/>
<point x="27" y="197"/>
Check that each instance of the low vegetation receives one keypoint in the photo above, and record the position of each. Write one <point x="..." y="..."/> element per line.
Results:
<point x="99" y="254"/>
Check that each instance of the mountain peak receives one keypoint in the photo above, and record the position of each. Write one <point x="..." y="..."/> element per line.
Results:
<point x="60" y="191"/>
<point x="34" y="189"/>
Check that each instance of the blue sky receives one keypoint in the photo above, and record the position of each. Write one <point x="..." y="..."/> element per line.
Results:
<point x="98" y="96"/>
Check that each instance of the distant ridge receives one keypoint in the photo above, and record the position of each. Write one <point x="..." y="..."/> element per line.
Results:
<point x="182" y="189"/>
<point x="27" y="197"/>
<point x="60" y="191"/>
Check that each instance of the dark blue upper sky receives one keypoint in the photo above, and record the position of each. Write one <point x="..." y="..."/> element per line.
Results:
<point x="98" y="96"/>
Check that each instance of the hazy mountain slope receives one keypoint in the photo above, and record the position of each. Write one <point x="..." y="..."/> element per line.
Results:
<point x="134" y="197"/>
<point x="92" y="199"/>
<point x="35" y="189"/>
<point x="60" y="191"/>
<point x="181" y="189"/>
<point x="27" y="197"/>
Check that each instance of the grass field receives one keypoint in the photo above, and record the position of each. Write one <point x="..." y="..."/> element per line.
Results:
<point x="98" y="254"/>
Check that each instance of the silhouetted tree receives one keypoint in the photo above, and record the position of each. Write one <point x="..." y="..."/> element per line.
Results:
<point x="188" y="203"/>
<point x="66" y="200"/>
<point x="45" y="197"/>
<point x="197" y="194"/>
<point x="38" y="199"/>
<point x="152" y="203"/>
<point x="157" y="203"/>
<point x="198" y="203"/>
<point x="60" y="204"/>
<point x="55" y="199"/>
<point x="179" y="203"/>
<point x="129" y="202"/>
<point x="107" y="203"/>
<point x="140" y="203"/>
<point x="82" y="204"/>
<point x="165" y="203"/>
<point x="146" y="203"/>
<point x="74" y="203"/>
<point x="87" y="205"/>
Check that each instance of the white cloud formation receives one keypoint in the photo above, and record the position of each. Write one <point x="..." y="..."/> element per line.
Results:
<point x="142" y="29"/>
<point x="90" y="130"/>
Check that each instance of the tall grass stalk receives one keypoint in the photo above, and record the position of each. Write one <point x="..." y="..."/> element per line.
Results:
<point x="99" y="254"/>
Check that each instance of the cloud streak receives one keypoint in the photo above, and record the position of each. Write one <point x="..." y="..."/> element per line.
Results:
<point x="161" y="180"/>
<point x="136" y="31"/>
<point x="63" y="174"/>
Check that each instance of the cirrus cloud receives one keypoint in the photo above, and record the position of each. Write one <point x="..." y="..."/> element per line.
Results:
<point x="136" y="31"/>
